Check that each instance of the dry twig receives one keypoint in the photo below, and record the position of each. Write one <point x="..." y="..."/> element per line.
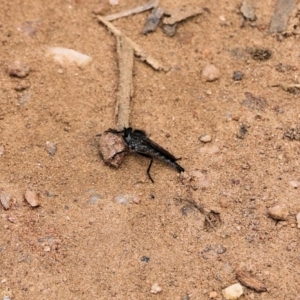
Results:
<point x="138" y="51"/>
<point x="124" y="94"/>
<point x="132" y="11"/>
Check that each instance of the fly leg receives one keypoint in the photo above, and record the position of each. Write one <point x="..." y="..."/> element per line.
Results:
<point x="151" y="161"/>
<point x="118" y="153"/>
<point x="114" y="131"/>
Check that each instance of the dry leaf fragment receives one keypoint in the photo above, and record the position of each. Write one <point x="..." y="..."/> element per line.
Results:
<point x="153" y="20"/>
<point x="183" y="13"/>
<point x="247" y="279"/>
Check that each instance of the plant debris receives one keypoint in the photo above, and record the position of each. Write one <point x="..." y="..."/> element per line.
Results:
<point x="260" y="54"/>
<point x="138" y="51"/>
<point x="247" y="279"/>
<point x="242" y="132"/>
<point x="254" y="103"/>
<point x="169" y="30"/>
<point x="291" y="88"/>
<point x="132" y="11"/>
<point x="153" y="20"/>
<point x="124" y="94"/>
<point x="281" y="15"/>
<point x="181" y="14"/>
<point x="247" y="11"/>
<point x="293" y="133"/>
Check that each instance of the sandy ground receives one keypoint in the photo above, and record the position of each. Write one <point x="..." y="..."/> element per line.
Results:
<point x="82" y="244"/>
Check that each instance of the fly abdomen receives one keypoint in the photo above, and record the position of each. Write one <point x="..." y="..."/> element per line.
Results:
<point x="167" y="160"/>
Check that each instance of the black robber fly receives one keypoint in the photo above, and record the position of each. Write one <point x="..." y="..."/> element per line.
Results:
<point x="138" y="142"/>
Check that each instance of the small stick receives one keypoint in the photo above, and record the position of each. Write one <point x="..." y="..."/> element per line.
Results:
<point x="287" y="87"/>
<point x="124" y="93"/>
<point x="132" y="11"/>
<point x="138" y="51"/>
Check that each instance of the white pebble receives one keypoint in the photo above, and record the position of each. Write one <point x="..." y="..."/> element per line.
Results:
<point x="47" y="249"/>
<point x="210" y="73"/>
<point x="65" y="55"/>
<point x="18" y="69"/>
<point x="51" y="148"/>
<point x="155" y="289"/>
<point x="298" y="220"/>
<point x="294" y="183"/>
<point x="206" y="138"/>
<point x="233" y="291"/>
<point x="209" y="150"/>
<point x="213" y="295"/>
<point x="32" y="198"/>
<point x="113" y="2"/>
<point x="278" y="212"/>
<point x="125" y="199"/>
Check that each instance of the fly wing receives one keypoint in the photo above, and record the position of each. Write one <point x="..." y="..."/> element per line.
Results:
<point x="146" y="141"/>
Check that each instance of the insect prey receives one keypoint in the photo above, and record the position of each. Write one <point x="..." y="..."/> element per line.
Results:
<point x="138" y="142"/>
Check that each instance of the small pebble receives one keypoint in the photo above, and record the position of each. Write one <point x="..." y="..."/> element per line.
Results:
<point x="209" y="150"/>
<point x="1" y="150"/>
<point x="298" y="220"/>
<point x="238" y="76"/>
<point x="47" y="249"/>
<point x="18" y="69"/>
<point x="222" y="18"/>
<point x="169" y="30"/>
<point x="233" y="291"/>
<point x="65" y="56"/>
<point x="113" y="2"/>
<point x="24" y="98"/>
<point x="294" y="183"/>
<point x="206" y="138"/>
<point x="210" y="73"/>
<point x="22" y="86"/>
<point x="51" y="148"/>
<point x="213" y="295"/>
<point x="95" y="199"/>
<point x="155" y="289"/>
<point x="224" y="203"/>
<point x="247" y="11"/>
<point x="12" y="219"/>
<point x="145" y="259"/>
<point x="278" y="212"/>
<point x="99" y="9"/>
<point x="5" y="199"/>
<point x="136" y="200"/>
<point x="125" y="199"/>
<point x="32" y="198"/>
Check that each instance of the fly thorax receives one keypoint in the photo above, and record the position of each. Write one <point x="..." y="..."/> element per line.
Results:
<point x="127" y="139"/>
